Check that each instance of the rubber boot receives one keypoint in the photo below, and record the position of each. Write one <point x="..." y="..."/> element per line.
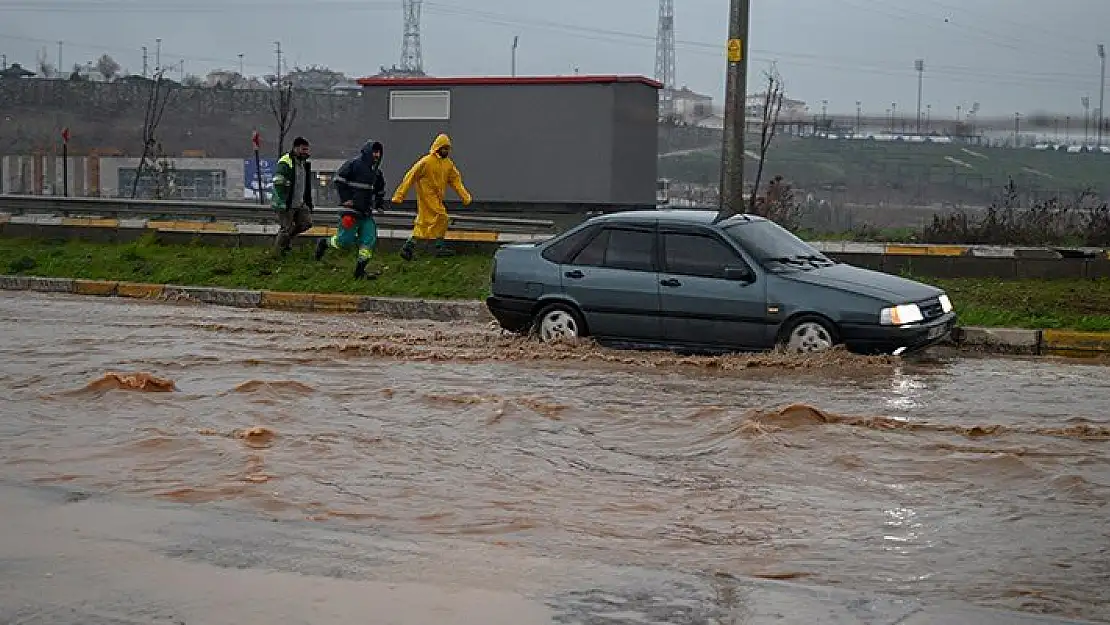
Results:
<point x="407" y="251"/>
<point x="321" y="248"/>
<point x="360" y="268"/>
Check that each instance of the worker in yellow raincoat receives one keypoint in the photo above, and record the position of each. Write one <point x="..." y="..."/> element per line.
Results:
<point x="431" y="174"/>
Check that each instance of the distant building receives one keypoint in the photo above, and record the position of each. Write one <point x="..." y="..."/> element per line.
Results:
<point x="314" y="78"/>
<point x="221" y="78"/>
<point x="582" y="140"/>
<point x="690" y="106"/>
<point x="791" y="109"/>
<point x="15" y="70"/>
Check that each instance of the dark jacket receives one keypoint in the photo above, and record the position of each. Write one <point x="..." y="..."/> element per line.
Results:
<point x="285" y="177"/>
<point x="361" y="182"/>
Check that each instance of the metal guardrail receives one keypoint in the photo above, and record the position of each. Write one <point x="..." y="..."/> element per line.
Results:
<point x="242" y="212"/>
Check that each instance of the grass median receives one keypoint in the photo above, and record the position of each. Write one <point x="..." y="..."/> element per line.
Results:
<point x="1062" y="304"/>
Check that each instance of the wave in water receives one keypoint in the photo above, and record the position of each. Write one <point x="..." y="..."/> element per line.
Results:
<point x="140" y="381"/>
<point x="795" y="416"/>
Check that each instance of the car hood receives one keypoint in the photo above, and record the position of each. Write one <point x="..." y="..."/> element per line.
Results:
<point x="882" y="286"/>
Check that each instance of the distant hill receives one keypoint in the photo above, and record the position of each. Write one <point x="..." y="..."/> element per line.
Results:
<point x="864" y="171"/>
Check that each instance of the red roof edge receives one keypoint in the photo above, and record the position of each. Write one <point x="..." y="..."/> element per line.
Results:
<point x="504" y="80"/>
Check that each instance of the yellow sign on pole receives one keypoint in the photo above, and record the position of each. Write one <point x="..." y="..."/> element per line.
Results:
<point x="735" y="51"/>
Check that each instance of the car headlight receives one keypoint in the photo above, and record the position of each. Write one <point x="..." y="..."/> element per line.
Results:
<point x="945" y="303"/>
<point x="901" y="315"/>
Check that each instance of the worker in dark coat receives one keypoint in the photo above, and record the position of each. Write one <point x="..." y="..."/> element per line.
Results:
<point x="361" y="188"/>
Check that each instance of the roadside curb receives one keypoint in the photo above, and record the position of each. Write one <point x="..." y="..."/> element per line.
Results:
<point x="986" y="340"/>
<point x="1033" y="342"/>
<point x="397" y="308"/>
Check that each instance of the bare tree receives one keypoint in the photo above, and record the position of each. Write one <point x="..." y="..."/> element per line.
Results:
<point x="164" y="175"/>
<point x="108" y="67"/>
<point x="772" y="105"/>
<point x="777" y="202"/>
<point x="284" y="110"/>
<point x="156" y="102"/>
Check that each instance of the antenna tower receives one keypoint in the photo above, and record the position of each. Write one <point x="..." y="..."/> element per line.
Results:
<point x="412" y="58"/>
<point x="665" y="57"/>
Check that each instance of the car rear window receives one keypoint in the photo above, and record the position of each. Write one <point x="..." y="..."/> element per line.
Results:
<point x="593" y="255"/>
<point x="631" y="249"/>
<point x="619" y="249"/>
<point x="563" y="251"/>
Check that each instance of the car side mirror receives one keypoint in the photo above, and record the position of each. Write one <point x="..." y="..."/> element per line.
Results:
<point x="739" y="274"/>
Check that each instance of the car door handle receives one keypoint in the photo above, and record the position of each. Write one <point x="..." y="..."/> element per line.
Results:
<point x="670" y="282"/>
<point x="574" y="274"/>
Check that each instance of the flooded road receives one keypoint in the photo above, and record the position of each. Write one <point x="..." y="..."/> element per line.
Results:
<point x="983" y="480"/>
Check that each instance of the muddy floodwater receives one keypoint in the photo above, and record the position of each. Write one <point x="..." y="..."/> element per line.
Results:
<point x="944" y="478"/>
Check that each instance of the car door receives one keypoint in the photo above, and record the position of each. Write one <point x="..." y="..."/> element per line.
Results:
<point x="615" y="283"/>
<point x="700" y="304"/>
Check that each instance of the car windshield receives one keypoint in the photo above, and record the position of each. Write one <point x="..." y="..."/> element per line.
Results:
<point x="771" y="244"/>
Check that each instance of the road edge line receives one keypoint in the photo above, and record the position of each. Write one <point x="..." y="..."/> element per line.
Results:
<point x="987" y="340"/>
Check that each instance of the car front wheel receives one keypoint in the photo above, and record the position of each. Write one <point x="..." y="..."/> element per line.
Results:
<point x="808" y="335"/>
<point x="559" y="322"/>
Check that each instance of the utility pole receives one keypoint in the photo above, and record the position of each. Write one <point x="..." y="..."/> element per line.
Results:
<point x="736" y="86"/>
<point x="277" y="44"/>
<point x="144" y="62"/>
<point x="1017" y="127"/>
<point x="919" y="65"/>
<point x="240" y="64"/>
<point x="61" y="66"/>
<point x="859" y="115"/>
<point x="1102" y="93"/>
<point x="158" y="55"/>
<point x="1086" y="101"/>
<point x="516" y="41"/>
<point x="893" y="117"/>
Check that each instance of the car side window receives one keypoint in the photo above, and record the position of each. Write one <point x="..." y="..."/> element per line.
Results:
<point x="631" y="249"/>
<point x="593" y="255"/>
<point x="561" y="251"/>
<point x="697" y="255"/>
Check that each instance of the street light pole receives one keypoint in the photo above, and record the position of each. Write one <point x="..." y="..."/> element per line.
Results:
<point x="1086" y="101"/>
<point x="516" y="41"/>
<point x="919" y="65"/>
<point x="1102" y="93"/>
<point x="732" y="157"/>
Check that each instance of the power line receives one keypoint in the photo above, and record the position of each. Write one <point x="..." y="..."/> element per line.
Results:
<point x="982" y="35"/>
<point x="143" y="6"/>
<point x="950" y="73"/>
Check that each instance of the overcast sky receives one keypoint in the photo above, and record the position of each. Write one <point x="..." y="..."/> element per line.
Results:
<point x="1009" y="55"/>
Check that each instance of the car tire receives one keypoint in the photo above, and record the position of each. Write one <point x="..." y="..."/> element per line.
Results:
<point x="558" y="322"/>
<point x="808" y="334"/>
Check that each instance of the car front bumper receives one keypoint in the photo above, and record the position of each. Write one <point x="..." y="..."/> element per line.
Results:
<point x="512" y="314"/>
<point x="879" y="339"/>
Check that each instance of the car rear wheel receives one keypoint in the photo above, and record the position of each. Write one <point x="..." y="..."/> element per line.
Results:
<point x="808" y="335"/>
<point x="558" y="322"/>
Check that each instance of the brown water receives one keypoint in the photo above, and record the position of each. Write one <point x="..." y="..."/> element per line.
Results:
<point x="979" y="479"/>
